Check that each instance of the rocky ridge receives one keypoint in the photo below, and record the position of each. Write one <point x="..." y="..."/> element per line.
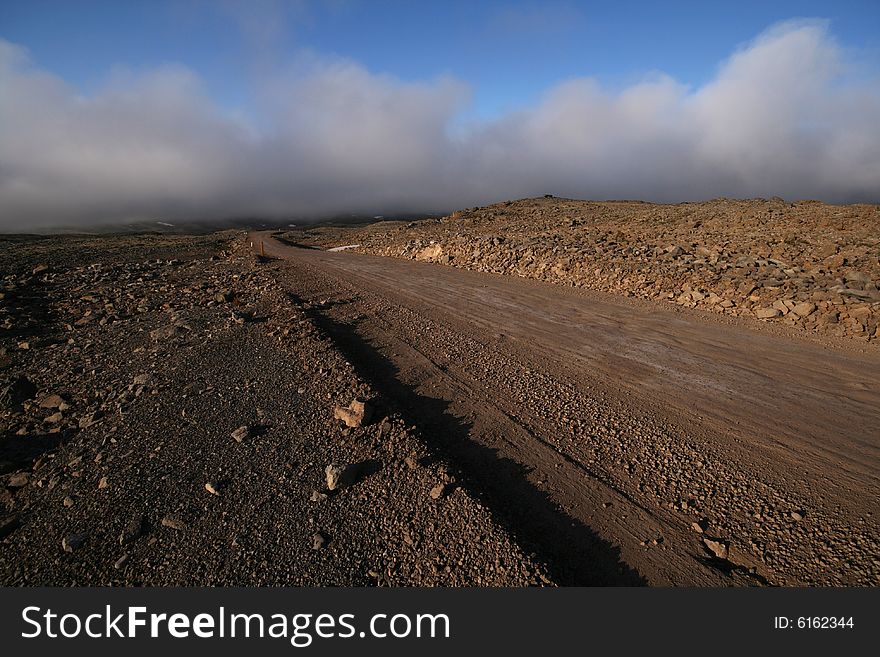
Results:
<point x="806" y="265"/>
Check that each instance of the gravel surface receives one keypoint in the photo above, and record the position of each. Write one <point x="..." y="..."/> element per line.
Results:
<point x="168" y="418"/>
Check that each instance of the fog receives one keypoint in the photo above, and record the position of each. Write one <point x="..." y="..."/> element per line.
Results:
<point x="790" y="114"/>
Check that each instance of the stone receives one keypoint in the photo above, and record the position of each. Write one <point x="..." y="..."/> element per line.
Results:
<point x="358" y="413"/>
<point x="804" y="309"/>
<point x="334" y="476"/>
<point x="438" y="491"/>
<point x="212" y="488"/>
<point x="73" y="542"/>
<point x="104" y="483"/>
<point x="55" y="418"/>
<point x="88" y="420"/>
<point x="51" y="401"/>
<point x="718" y="548"/>
<point x="173" y="523"/>
<point x="241" y="434"/>
<point x="68" y="501"/>
<point x="18" y="480"/>
<point x="699" y="526"/>
<point x="318" y="541"/>
<point x="132" y="530"/>
<point x="318" y="496"/>
<point x="767" y="313"/>
<point x="797" y="516"/>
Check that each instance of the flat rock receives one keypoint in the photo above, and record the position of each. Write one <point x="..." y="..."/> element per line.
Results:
<point x="132" y="530"/>
<point x="718" y="548"/>
<point x="18" y="480"/>
<point x="241" y="434"/>
<point x="173" y="523"/>
<point x="767" y="313"/>
<point x="52" y="401"/>
<point x="804" y="309"/>
<point x="358" y="413"/>
<point x="335" y="476"/>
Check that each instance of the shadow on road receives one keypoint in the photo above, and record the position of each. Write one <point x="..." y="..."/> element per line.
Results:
<point x="573" y="554"/>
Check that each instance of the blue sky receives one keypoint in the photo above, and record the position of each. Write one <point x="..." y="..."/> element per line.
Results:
<point x="119" y="110"/>
<point x="508" y="52"/>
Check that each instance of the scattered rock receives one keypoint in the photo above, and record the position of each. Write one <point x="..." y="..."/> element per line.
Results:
<point x="18" y="480"/>
<point x="51" y="401"/>
<point x="718" y="548"/>
<point x="133" y="530"/>
<point x="318" y="496"/>
<point x="318" y="541"/>
<point x="438" y="491"/>
<point x="334" y="476"/>
<point x="213" y="488"/>
<point x="241" y="434"/>
<point x="700" y="526"/>
<point x="797" y="516"/>
<point x="767" y="313"/>
<point x="358" y="413"/>
<point x="173" y="523"/>
<point x="104" y="483"/>
<point x="88" y="420"/>
<point x="804" y="309"/>
<point x="722" y="262"/>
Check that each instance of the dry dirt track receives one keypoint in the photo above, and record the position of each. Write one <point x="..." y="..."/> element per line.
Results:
<point x="609" y="427"/>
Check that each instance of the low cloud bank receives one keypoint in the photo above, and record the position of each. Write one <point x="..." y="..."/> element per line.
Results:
<point x="787" y="115"/>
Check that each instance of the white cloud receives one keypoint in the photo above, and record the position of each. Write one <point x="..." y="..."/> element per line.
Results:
<point x="782" y="116"/>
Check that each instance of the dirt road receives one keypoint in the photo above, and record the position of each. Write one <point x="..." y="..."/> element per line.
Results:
<point x="624" y="442"/>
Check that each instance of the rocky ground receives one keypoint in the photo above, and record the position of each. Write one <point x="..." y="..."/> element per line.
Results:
<point x="171" y="413"/>
<point x="695" y="449"/>
<point x="806" y="265"/>
<point x="175" y="410"/>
